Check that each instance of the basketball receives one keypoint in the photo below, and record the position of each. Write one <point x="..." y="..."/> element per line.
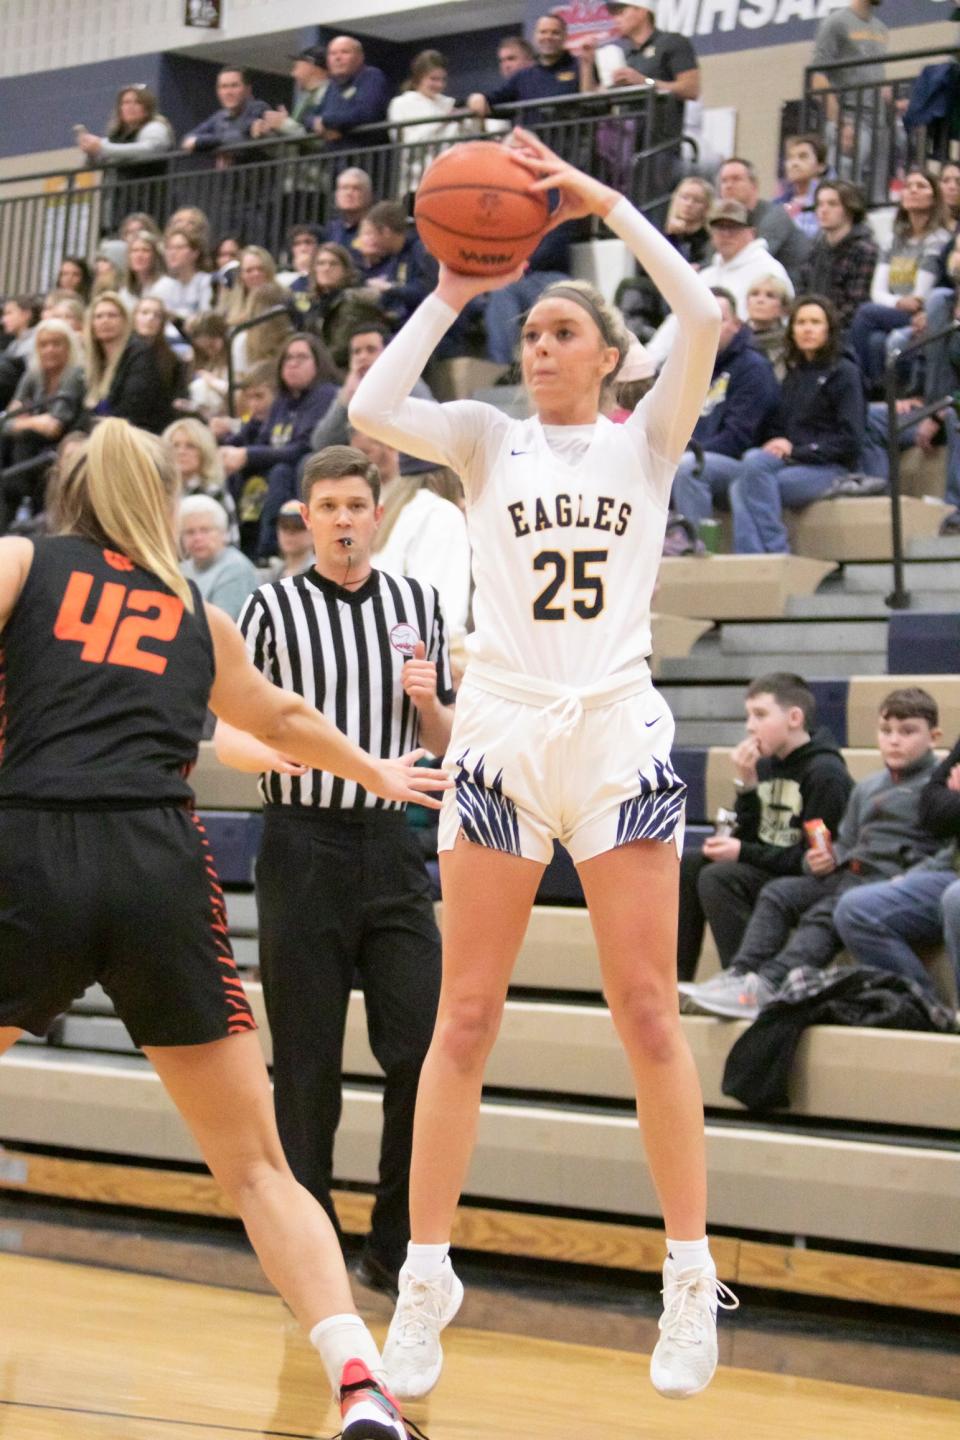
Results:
<point x="475" y="212"/>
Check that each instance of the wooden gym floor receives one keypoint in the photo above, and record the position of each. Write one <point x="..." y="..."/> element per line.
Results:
<point x="110" y="1351"/>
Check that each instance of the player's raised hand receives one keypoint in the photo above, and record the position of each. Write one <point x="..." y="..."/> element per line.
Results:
<point x="580" y="194"/>
<point x="458" y="290"/>
<point x="402" y="779"/>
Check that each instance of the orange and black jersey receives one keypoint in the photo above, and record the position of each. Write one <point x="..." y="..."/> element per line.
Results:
<point x="105" y="681"/>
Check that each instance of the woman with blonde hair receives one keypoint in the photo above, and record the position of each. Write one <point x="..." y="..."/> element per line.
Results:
<point x="257" y="268"/>
<point x="123" y="374"/>
<point x="197" y="458"/>
<point x="105" y="871"/>
<point x="145" y="266"/>
<point x="47" y="403"/>
<point x="768" y="305"/>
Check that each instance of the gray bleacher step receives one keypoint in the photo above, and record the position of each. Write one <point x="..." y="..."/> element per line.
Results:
<point x="241" y="910"/>
<point x="704" y="702"/>
<point x="935" y="547"/>
<point x="929" y="575"/>
<point x="97" y="1032"/>
<point x="744" y="668"/>
<point x="864" y="605"/>
<point x="709" y="732"/>
<point x="773" y="637"/>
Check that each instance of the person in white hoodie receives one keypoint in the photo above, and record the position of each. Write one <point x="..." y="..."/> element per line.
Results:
<point x="420" y="534"/>
<point x="741" y="259"/>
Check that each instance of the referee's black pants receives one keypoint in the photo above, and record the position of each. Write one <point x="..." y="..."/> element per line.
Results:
<point x="344" y="893"/>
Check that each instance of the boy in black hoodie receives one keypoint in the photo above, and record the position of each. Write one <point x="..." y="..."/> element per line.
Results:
<point x="784" y="775"/>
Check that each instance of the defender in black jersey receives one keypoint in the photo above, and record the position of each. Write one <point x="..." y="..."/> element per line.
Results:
<point x="109" y="660"/>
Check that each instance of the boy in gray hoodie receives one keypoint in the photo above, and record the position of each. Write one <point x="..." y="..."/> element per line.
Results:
<point x="880" y="836"/>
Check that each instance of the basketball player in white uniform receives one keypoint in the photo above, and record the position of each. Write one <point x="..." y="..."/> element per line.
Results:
<point x="558" y="733"/>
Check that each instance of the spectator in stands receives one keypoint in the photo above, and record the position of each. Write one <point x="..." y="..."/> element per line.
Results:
<point x="207" y="334"/>
<point x="200" y="467"/>
<point x="47" y="404"/>
<point x="742" y="395"/>
<point x="737" y="180"/>
<point x="357" y="95"/>
<point x="844" y="255"/>
<point x="223" y="576"/>
<point x="854" y="34"/>
<point x="136" y="222"/>
<point x="394" y="262"/>
<point x="264" y="341"/>
<point x="514" y="53"/>
<point x="365" y="344"/>
<point x="76" y="276"/>
<point x="666" y="58"/>
<point x="306" y="384"/>
<point x="239" y="119"/>
<point x="257" y="392"/>
<point x="145" y="266"/>
<point x="817" y="432"/>
<point x="555" y="72"/>
<point x="643" y="307"/>
<point x="905" y="274"/>
<point x="949" y="179"/>
<point x="194" y="223"/>
<point x="420" y="534"/>
<point x="256" y="268"/>
<point x="352" y="198"/>
<point x="302" y="245"/>
<point x="768" y="305"/>
<point x="20" y="316"/>
<point x="549" y="263"/>
<point x="741" y="258"/>
<point x="71" y="309"/>
<point x="785" y="772"/>
<point x="804" y="165"/>
<point x="338" y="303"/>
<point x="294" y="542"/>
<point x="109" y="266"/>
<point x="152" y="323"/>
<point x="884" y="925"/>
<point x="422" y="99"/>
<point x="228" y="252"/>
<point x="880" y="836"/>
<point x="137" y="134"/>
<point x="186" y="289"/>
<point x="309" y="74"/>
<point x="123" y="374"/>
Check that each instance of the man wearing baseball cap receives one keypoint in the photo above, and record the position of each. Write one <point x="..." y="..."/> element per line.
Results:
<point x="668" y="59"/>
<point x="309" y="74"/>
<point x="294" y="542"/>
<point x="741" y="259"/>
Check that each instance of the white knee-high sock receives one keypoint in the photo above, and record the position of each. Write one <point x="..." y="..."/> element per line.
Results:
<point x="340" y="1338"/>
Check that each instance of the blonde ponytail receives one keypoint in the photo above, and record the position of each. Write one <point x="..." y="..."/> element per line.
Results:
<point x="122" y="491"/>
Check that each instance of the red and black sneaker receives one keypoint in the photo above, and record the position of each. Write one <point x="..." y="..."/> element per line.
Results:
<point x="369" y="1411"/>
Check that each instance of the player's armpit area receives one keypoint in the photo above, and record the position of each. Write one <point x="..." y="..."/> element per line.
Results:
<point x="16" y="557"/>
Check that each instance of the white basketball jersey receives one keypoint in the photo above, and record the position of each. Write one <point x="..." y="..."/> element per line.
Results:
<point x="565" y="556"/>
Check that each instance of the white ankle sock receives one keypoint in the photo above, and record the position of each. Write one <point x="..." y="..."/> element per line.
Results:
<point x="690" y="1254"/>
<point x="426" y="1261"/>
<point x="340" y="1338"/>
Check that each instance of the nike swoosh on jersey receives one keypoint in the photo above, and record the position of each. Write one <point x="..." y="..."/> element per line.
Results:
<point x="519" y="452"/>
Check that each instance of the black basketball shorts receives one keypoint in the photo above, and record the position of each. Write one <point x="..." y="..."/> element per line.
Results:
<point x="129" y="898"/>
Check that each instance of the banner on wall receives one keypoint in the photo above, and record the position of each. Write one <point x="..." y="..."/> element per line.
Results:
<point x="203" y="14"/>
<point x="715" y="26"/>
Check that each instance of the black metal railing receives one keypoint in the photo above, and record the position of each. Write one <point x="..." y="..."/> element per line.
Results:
<point x="258" y="190"/>
<point x="899" y="597"/>
<point x="861" y="121"/>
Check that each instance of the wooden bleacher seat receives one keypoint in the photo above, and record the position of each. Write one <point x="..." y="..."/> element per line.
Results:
<point x="736" y="587"/>
<point x="867" y="691"/>
<point x="674" y="636"/>
<point x="859" y="529"/>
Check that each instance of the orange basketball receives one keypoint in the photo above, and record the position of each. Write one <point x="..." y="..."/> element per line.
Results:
<point x="475" y="211"/>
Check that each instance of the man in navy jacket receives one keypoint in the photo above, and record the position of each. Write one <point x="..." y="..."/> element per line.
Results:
<point x="741" y="398"/>
<point x="358" y="94"/>
<point x="239" y="120"/>
<point x="556" y="72"/>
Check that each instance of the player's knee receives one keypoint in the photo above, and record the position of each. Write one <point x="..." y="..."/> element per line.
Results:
<point x="252" y="1181"/>
<point x="467" y="1030"/>
<point x="646" y="1018"/>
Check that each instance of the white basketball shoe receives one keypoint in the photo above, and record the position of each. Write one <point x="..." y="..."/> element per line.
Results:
<point x="413" y="1355"/>
<point x="685" y="1357"/>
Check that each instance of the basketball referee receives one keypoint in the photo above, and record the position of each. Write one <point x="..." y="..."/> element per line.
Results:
<point x="341" y="888"/>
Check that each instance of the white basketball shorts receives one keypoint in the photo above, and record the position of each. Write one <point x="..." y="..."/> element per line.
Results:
<point x="536" y="762"/>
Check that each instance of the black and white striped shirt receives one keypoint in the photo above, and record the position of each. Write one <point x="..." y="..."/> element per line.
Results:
<point x="344" y="652"/>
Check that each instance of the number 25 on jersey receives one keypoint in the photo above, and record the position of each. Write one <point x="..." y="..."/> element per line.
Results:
<point x="112" y="634"/>
<point x="588" y="603"/>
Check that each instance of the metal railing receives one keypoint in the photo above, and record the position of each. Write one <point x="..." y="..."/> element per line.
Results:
<point x="258" y="190"/>
<point x="861" y="121"/>
<point x="899" y="597"/>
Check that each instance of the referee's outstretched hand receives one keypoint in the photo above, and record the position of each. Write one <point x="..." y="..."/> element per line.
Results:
<point x="399" y="780"/>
